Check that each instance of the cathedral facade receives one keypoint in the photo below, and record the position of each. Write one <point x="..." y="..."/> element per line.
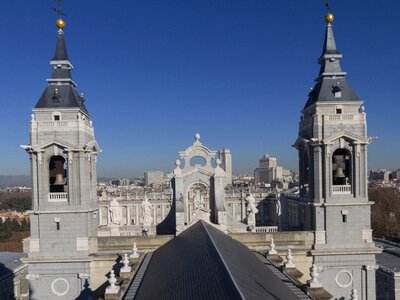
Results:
<point x="68" y="219"/>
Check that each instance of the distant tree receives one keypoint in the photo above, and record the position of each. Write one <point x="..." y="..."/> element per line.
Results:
<point x="385" y="219"/>
<point x="5" y="230"/>
<point x="15" y="201"/>
<point x="25" y="226"/>
<point x="12" y="232"/>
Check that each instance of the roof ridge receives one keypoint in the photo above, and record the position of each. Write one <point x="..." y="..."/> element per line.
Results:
<point x="222" y="259"/>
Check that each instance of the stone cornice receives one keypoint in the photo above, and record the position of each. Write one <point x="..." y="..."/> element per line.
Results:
<point x="346" y="251"/>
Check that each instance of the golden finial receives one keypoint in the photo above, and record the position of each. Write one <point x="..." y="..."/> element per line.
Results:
<point x="329" y="16"/>
<point x="60" y="23"/>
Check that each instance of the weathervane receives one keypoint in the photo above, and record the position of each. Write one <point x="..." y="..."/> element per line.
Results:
<point x="328" y="7"/>
<point x="60" y="22"/>
<point x="329" y="16"/>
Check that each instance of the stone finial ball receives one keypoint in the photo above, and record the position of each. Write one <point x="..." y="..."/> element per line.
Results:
<point x="197" y="136"/>
<point x="177" y="163"/>
<point x="60" y="23"/>
<point x="329" y="18"/>
<point x="218" y="161"/>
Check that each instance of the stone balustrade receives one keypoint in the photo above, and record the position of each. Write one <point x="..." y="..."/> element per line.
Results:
<point x="58" y="197"/>
<point x="341" y="189"/>
<point x="266" y="229"/>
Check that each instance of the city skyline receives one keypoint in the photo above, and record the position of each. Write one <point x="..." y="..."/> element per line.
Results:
<point x="153" y="74"/>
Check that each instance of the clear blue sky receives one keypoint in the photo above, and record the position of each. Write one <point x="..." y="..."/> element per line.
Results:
<point x="238" y="72"/>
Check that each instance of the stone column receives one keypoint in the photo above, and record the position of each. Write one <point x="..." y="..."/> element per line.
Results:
<point x="33" y="159"/>
<point x="243" y="210"/>
<point x="128" y="215"/>
<point x="155" y="214"/>
<point x="100" y="216"/>
<point x="317" y="168"/>
<point x="163" y="211"/>
<point x="328" y="166"/>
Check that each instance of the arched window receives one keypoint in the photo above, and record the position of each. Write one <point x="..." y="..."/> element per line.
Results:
<point x="57" y="174"/>
<point x="341" y="167"/>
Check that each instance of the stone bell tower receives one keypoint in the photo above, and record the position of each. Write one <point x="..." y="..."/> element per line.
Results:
<point x="332" y="147"/>
<point x="63" y="154"/>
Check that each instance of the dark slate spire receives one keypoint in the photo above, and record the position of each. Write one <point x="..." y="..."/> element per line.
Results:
<point x="61" y="48"/>
<point x="61" y="90"/>
<point x="331" y="84"/>
<point x="330" y="57"/>
<point x="329" y="43"/>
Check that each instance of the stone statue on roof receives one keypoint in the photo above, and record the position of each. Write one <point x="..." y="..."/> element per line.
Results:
<point x="115" y="212"/>
<point x="251" y="209"/>
<point x="147" y="209"/>
<point x="199" y="202"/>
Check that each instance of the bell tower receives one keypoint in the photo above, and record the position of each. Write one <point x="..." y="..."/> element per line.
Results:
<point x="63" y="153"/>
<point x="332" y="146"/>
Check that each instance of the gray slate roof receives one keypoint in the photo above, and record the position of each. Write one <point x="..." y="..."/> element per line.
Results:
<point x="204" y="263"/>
<point x="65" y="97"/>
<point x="61" y="91"/>
<point x="9" y="262"/>
<point x="390" y="257"/>
<point x="388" y="260"/>
<point x="330" y="77"/>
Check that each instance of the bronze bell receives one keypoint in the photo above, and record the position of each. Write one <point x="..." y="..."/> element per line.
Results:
<point x="339" y="173"/>
<point x="59" y="179"/>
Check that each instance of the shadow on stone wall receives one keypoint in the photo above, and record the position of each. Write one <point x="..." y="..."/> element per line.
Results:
<point x="87" y="293"/>
<point x="6" y="281"/>
<point x="168" y="225"/>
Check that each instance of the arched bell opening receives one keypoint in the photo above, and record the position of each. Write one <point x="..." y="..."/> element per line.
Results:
<point x="341" y="171"/>
<point x="58" y="174"/>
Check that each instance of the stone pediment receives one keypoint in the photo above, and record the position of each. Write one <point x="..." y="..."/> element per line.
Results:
<point x="300" y="142"/>
<point x="92" y="146"/>
<point x="197" y="150"/>
<point x="64" y="145"/>
<point x="200" y="170"/>
<point x="352" y="137"/>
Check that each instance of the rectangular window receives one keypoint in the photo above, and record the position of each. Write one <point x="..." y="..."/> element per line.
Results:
<point x="344" y="218"/>
<point x="58" y="225"/>
<point x="338" y="111"/>
<point x="56" y="118"/>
